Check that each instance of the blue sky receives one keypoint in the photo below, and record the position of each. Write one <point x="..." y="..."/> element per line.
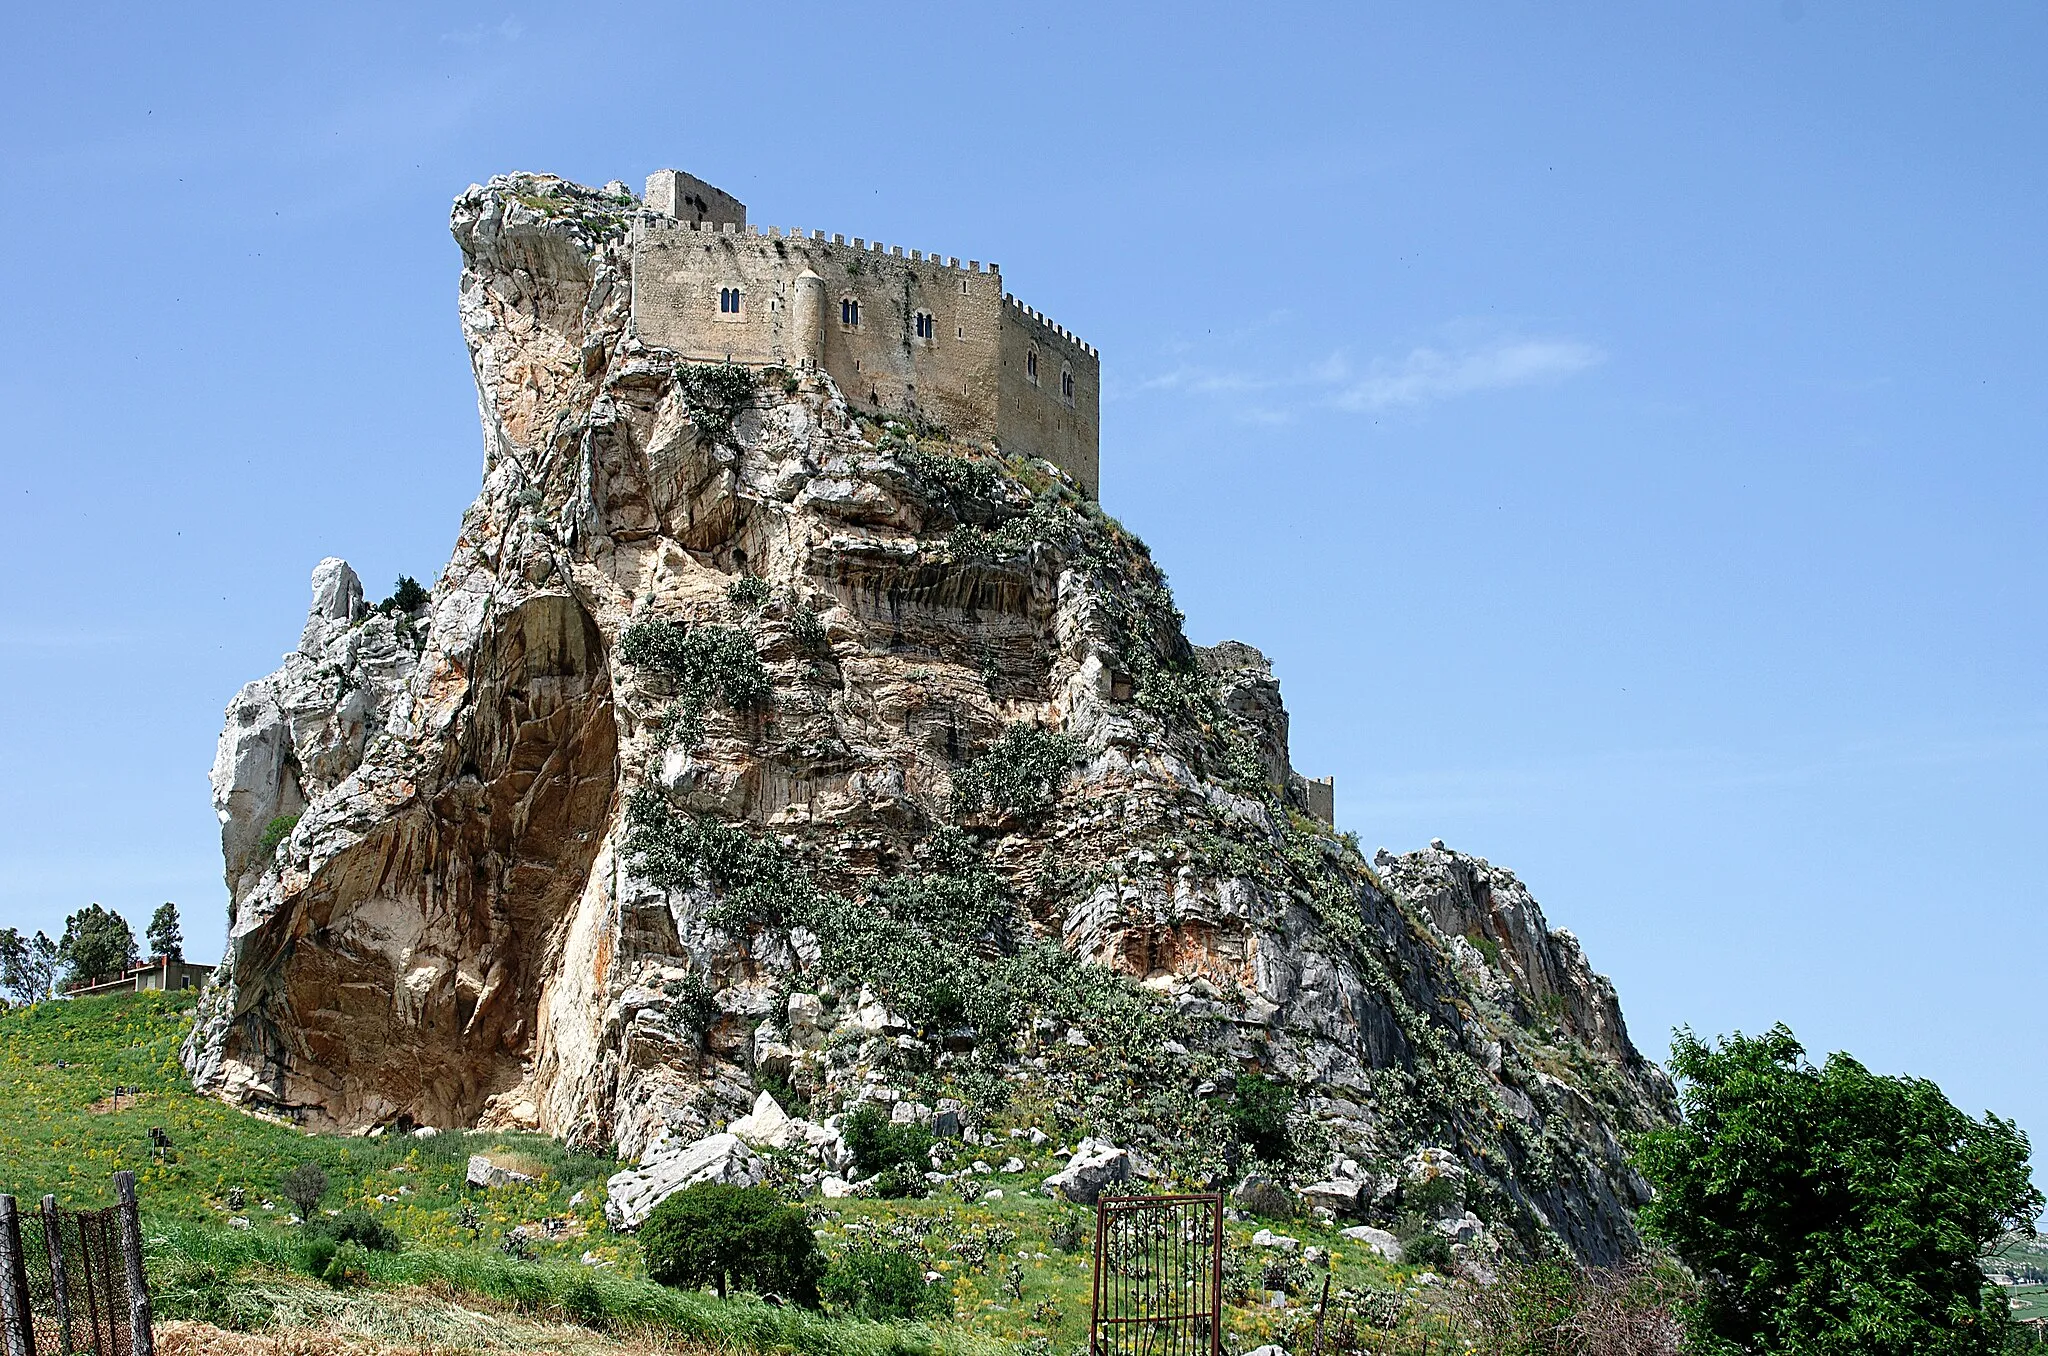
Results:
<point x="1622" y="425"/>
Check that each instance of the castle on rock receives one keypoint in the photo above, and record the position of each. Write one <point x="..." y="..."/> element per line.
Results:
<point x="903" y="335"/>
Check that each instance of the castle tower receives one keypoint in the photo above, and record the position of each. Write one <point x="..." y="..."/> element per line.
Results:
<point x="808" y="304"/>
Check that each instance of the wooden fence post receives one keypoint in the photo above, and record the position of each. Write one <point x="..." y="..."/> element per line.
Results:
<point x="21" y="1337"/>
<point x="60" y="1281"/>
<point x="144" y="1336"/>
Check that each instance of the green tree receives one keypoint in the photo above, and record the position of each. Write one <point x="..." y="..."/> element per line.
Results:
<point x="97" y="943"/>
<point x="28" y="965"/>
<point x="165" y="936"/>
<point x="726" y="1236"/>
<point x="1258" y="1113"/>
<point x="1832" y="1209"/>
<point x="303" y="1186"/>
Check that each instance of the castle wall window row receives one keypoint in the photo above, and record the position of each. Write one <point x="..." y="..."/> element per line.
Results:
<point x="984" y="387"/>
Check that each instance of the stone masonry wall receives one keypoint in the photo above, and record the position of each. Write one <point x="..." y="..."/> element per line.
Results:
<point x="971" y="375"/>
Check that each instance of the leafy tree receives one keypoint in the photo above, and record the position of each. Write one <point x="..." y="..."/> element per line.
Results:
<point x="165" y="936"/>
<point x="725" y="1236"/>
<point x="898" y="1155"/>
<point x="303" y="1186"/>
<point x="1258" y="1116"/>
<point x="28" y="965"/>
<point x="97" y="943"/>
<point x="1832" y="1209"/>
<point x="884" y="1285"/>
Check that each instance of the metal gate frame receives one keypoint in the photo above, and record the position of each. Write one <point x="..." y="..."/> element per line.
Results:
<point x="1178" y="1331"/>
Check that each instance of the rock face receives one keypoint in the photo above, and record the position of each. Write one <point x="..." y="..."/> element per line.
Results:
<point x="752" y="739"/>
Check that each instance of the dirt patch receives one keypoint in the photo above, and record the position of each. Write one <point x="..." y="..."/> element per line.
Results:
<point x="120" y="1101"/>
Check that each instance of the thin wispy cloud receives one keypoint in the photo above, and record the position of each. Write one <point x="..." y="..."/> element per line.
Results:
<point x="1428" y="375"/>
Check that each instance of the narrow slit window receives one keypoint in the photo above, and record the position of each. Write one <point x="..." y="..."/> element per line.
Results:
<point x="1031" y="366"/>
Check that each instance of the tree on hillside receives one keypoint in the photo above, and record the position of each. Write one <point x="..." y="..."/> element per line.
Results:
<point x="97" y="943"/>
<point x="723" y="1236"/>
<point x="165" y="936"/>
<point x="303" y="1186"/>
<point x="1832" y="1209"/>
<point x="28" y="965"/>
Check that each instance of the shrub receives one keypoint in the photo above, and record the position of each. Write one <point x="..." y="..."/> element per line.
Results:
<point x="806" y="628"/>
<point x="1427" y="1249"/>
<point x="725" y="1236"/>
<point x="884" y="1285"/>
<point x="303" y="1186"/>
<point x="747" y="592"/>
<point x="274" y="833"/>
<point x="316" y="1253"/>
<point x="1437" y="1197"/>
<point x="407" y="597"/>
<point x="358" y="1226"/>
<point x="1021" y="771"/>
<point x="1258" y="1116"/>
<point x="349" y="1266"/>
<point x="716" y="393"/>
<point x="705" y="664"/>
<point x="898" y="1155"/>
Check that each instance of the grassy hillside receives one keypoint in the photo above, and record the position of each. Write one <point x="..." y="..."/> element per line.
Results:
<point x="82" y="1083"/>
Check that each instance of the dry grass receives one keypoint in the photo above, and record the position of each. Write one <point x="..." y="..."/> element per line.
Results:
<point x="488" y="1334"/>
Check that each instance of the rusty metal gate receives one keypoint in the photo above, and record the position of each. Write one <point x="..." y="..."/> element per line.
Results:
<point x="72" y="1280"/>
<point x="1158" y="1277"/>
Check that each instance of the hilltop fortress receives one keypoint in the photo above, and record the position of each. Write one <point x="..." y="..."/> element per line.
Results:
<point x="916" y="335"/>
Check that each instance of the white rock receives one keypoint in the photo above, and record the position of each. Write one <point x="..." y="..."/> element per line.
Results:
<point x="633" y="1194"/>
<point x="1266" y="1238"/>
<point x="992" y="1194"/>
<point x="1095" y="1165"/>
<point x="835" y="1187"/>
<point x="1012" y="1164"/>
<point x="1379" y="1240"/>
<point x="484" y="1173"/>
<point x="767" y="1123"/>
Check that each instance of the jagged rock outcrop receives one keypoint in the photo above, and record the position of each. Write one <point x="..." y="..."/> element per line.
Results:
<point x="749" y="737"/>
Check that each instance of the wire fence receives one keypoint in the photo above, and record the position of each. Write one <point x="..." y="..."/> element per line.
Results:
<point x="72" y="1281"/>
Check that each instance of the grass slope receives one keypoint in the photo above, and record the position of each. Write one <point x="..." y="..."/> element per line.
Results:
<point x="83" y="1082"/>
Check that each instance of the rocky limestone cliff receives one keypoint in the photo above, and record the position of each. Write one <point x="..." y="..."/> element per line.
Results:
<point x="751" y="741"/>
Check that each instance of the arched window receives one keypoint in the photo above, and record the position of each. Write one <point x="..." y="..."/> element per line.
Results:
<point x="1031" y="366"/>
<point x="728" y="301"/>
<point x="849" y="313"/>
<point x="1066" y="385"/>
<point x="924" y="326"/>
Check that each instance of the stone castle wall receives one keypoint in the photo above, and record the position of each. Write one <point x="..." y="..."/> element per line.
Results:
<point x="971" y="370"/>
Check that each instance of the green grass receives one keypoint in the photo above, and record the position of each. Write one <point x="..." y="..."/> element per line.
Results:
<point x="60" y="1064"/>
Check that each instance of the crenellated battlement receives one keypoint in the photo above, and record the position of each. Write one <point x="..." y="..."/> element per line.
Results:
<point x="900" y="329"/>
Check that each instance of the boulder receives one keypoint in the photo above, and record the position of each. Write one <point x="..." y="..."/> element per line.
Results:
<point x="484" y="1173"/>
<point x="1257" y="1195"/>
<point x="1379" y="1240"/>
<point x="1339" y="1195"/>
<point x="1095" y="1165"/>
<point x="767" y="1123"/>
<point x="1266" y="1238"/>
<point x="633" y="1194"/>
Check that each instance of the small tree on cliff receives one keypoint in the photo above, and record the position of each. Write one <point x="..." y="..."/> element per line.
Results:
<point x="723" y="1236"/>
<point x="1832" y="1209"/>
<point x="165" y="936"/>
